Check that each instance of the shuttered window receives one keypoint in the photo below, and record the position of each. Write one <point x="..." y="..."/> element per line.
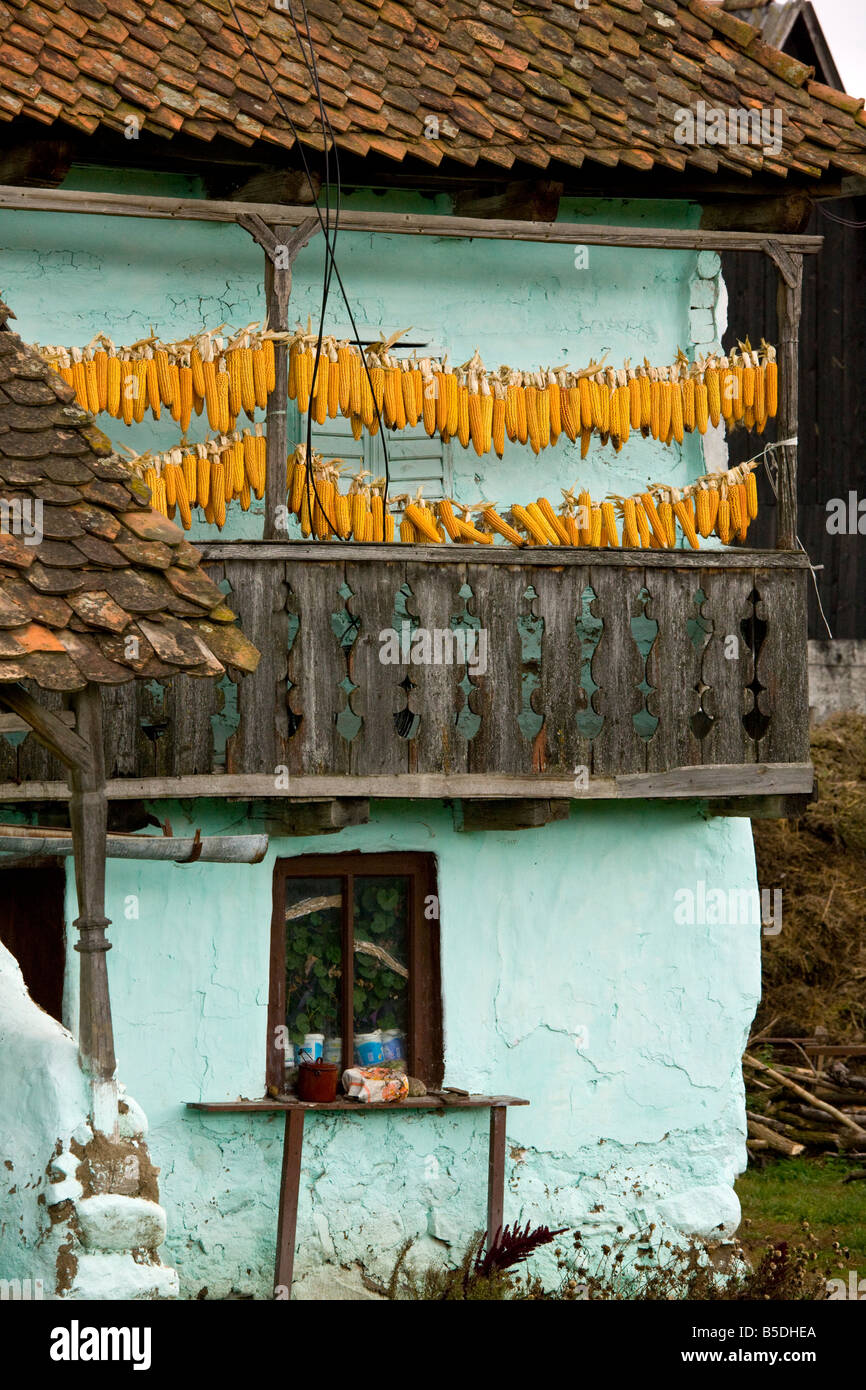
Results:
<point x="414" y="459"/>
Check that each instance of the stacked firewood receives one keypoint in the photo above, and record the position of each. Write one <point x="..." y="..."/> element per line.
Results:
<point x="792" y="1109"/>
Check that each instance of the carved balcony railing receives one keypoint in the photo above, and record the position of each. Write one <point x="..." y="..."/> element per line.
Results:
<point x="590" y="673"/>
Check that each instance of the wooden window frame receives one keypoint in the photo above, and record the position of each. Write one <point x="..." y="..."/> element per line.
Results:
<point x="424" y="1031"/>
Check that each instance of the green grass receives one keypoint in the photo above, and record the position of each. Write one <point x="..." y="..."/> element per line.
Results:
<point x="779" y="1197"/>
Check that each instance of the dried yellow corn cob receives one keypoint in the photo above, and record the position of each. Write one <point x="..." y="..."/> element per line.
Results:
<point x="411" y="383"/>
<point x="658" y="527"/>
<point x="530" y="523"/>
<point x="260" y="378"/>
<point x="422" y="522"/>
<point x="190" y="478"/>
<point x="298" y="481"/>
<point x="666" y="515"/>
<point x="202" y="480"/>
<point x="655" y="408"/>
<point x="554" y="522"/>
<point x="153" y="395"/>
<point x="702" y="409"/>
<point x="233" y="365"/>
<point x="91" y="386"/>
<point x="630" y="533"/>
<point x="139" y="404"/>
<point x="739" y="403"/>
<point x="643" y="525"/>
<point x="377" y="508"/>
<point x="703" y="511"/>
<point x="532" y="421"/>
<point x="752" y="495"/>
<point x="677" y="414"/>
<point x="222" y="390"/>
<point x="608" y="516"/>
<point x="113" y="375"/>
<point x="496" y="523"/>
<point x="683" y="514"/>
<point x="554" y="406"/>
<point x="723" y="521"/>
<point x="584" y="517"/>
<point x="211" y="397"/>
<point x="407" y="531"/>
<point x="342" y="515"/>
<point x="714" y="394"/>
<point x="771" y="387"/>
<point x="185" y="397"/>
<point x="476" y="427"/>
<point x="323" y="503"/>
<point x="623" y="396"/>
<point x="498" y="425"/>
<point x="429" y="405"/>
<point x="441" y="402"/>
<point x="689" y="408"/>
<point x="445" y="512"/>
<point x="468" y="532"/>
<point x="569" y="407"/>
<point x="248" y="385"/>
<point x="320" y="402"/>
<point x="585" y="394"/>
<point x="537" y="515"/>
<point x="597" y="528"/>
<point x="389" y="527"/>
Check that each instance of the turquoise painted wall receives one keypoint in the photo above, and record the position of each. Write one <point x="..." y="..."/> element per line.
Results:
<point x="69" y="277"/>
<point x="545" y="933"/>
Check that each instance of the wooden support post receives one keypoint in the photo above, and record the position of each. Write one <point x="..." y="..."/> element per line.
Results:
<point x="88" y="813"/>
<point x="496" y="1173"/>
<point x="290" y="1186"/>
<point x="281" y="244"/>
<point x="789" y="266"/>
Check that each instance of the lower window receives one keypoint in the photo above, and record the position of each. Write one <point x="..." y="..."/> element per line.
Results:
<point x="355" y="964"/>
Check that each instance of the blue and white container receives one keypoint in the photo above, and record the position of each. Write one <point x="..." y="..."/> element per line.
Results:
<point x="333" y="1050"/>
<point x="310" y="1049"/>
<point x="393" y="1045"/>
<point x="368" y="1049"/>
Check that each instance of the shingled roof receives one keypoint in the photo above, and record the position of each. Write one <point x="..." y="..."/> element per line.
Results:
<point x="529" y="82"/>
<point x="107" y="567"/>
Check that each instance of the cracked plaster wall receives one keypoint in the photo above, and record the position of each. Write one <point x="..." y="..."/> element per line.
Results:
<point x="69" y="277"/>
<point x="565" y="979"/>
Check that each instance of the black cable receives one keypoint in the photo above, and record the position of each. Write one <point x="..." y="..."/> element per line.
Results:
<point x="331" y="261"/>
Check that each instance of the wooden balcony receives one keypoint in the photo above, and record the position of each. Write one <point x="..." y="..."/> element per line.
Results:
<point x="593" y="674"/>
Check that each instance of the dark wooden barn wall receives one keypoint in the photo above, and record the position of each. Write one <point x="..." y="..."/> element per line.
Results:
<point x="832" y="433"/>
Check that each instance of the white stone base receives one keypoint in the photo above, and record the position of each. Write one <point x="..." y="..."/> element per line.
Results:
<point x="118" y="1276"/>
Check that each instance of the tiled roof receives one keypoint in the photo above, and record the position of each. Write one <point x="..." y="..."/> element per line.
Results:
<point x="107" y="567"/>
<point x="510" y="81"/>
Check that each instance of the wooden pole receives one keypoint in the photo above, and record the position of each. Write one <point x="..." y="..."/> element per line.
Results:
<point x="496" y="1173"/>
<point x="88" y="813"/>
<point x="290" y="1186"/>
<point x="789" y="294"/>
<point x="278" y="287"/>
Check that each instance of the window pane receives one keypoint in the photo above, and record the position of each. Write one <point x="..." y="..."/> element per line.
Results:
<point x="314" y="973"/>
<point x="381" y="999"/>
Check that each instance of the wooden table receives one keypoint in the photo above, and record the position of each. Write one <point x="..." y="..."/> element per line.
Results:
<point x="290" y="1182"/>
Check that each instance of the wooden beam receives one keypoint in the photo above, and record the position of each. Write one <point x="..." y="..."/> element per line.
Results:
<point x="50" y="730"/>
<point x="395" y="223"/>
<point x="560" y="557"/>
<point x="763" y="807"/>
<point x="789" y="295"/>
<point x="281" y="244"/>
<point x="513" y="813"/>
<point x="315" y="817"/>
<point x="693" y="783"/>
<point x="173" y="849"/>
<point x="88" y="812"/>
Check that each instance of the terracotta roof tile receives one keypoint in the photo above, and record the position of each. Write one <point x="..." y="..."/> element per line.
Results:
<point x="526" y="82"/>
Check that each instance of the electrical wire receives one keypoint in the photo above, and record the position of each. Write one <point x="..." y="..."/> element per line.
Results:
<point x="331" y="267"/>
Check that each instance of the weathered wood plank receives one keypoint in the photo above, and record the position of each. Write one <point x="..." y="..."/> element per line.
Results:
<point x="782" y="666"/>
<point x="377" y="747"/>
<point x="503" y="555"/>
<point x="409" y="224"/>
<point x="498" y="698"/>
<point x="617" y="670"/>
<point x="673" y="669"/>
<point x="727" y="668"/>
<point x="258" y="596"/>
<point x="561" y="749"/>
<point x="743" y="779"/>
<point x="437" y="745"/>
<point x="318" y="666"/>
